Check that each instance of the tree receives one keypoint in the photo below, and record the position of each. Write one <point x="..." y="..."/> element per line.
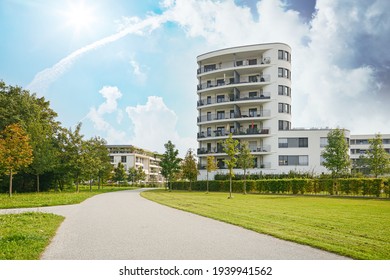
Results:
<point x="105" y="167"/>
<point x="15" y="150"/>
<point x="230" y="148"/>
<point x="335" y="153"/>
<point x="170" y="163"/>
<point x="211" y="166"/>
<point x="245" y="160"/>
<point x="377" y="159"/>
<point x="119" y="173"/>
<point x="189" y="167"/>
<point x="136" y="174"/>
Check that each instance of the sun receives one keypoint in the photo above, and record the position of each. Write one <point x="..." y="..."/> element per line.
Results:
<point x="79" y="16"/>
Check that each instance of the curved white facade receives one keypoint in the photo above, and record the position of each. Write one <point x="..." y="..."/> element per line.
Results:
<point x="245" y="91"/>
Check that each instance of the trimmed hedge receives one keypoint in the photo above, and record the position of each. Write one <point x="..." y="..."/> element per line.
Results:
<point x="344" y="187"/>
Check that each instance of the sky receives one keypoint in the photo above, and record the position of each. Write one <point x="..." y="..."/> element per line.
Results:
<point x="126" y="69"/>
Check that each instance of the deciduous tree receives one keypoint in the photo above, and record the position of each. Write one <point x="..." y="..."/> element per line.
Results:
<point x="230" y="147"/>
<point x="210" y="167"/>
<point x="245" y="160"/>
<point x="377" y="159"/>
<point x="335" y="153"/>
<point x="170" y="163"/>
<point x="189" y="167"/>
<point x="15" y="150"/>
<point x="120" y="173"/>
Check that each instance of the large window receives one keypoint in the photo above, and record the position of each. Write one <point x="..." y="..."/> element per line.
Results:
<point x="210" y="67"/>
<point x="284" y="90"/>
<point x="220" y="115"/>
<point x="253" y="112"/>
<point x="283" y="55"/>
<point x="123" y="158"/>
<point x="284" y="125"/>
<point x="293" y="142"/>
<point x="323" y="142"/>
<point x="284" y="108"/>
<point x="284" y="73"/>
<point x="293" y="160"/>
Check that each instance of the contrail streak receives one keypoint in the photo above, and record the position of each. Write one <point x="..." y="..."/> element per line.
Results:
<point x="44" y="78"/>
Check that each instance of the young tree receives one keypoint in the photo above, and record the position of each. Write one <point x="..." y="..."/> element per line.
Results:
<point x="377" y="159"/>
<point x="119" y="173"/>
<point x="15" y="150"/>
<point x="170" y="163"/>
<point x="210" y="167"/>
<point x="189" y="167"/>
<point x="136" y="174"/>
<point x="245" y="160"/>
<point x="230" y="148"/>
<point x="335" y="153"/>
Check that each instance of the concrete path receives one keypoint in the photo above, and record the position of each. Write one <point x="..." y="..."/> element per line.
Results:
<point x="123" y="225"/>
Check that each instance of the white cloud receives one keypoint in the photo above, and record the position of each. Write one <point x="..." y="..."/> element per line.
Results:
<point x="140" y="76"/>
<point x="154" y="124"/>
<point x="109" y="106"/>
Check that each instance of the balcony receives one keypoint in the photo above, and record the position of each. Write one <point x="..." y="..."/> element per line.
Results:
<point x="232" y="64"/>
<point x="241" y="132"/>
<point x="218" y="150"/>
<point x="257" y="79"/>
<point x="211" y="101"/>
<point x="240" y="115"/>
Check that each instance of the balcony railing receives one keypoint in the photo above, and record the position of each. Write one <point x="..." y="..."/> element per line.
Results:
<point x="223" y="133"/>
<point x="216" y="150"/>
<point x="210" y="68"/>
<point x="210" y="101"/>
<point x="244" y="114"/>
<point x="257" y="79"/>
<point x="263" y="165"/>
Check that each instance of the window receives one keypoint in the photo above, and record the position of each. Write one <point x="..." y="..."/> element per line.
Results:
<point x="220" y="115"/>
<point x="280" y="54"/>
<point x="253" y="112"/>
<point x="323" y="142"/>
<point x="322" y="160"/>
<point x="284" y="125"/>
<point x="208" y="131"/>
<point x="293" y="142"/>
<point x="252" y="61"/>
<point x="284" y="90"/>
<point x="209" y="116"/>
<point x="111" y="158"/>
<point x="252" y="79"/>
<point x="284" y="73"/>
<point x="210" y="67"/>
<point x="208" y="99"/>
<point x="284" y="108"/>
<point x="208" y="147"/>
<point x="283" y="55"/>
<point x="220" y="98"/>
<point x="219" y="148"/>
<point x="252" y="94"/>
<point x="239" y="63"/>
<point x="221" y="131"/>
<point x="220" y="82"/>
<point x="293" y="160"/>
<point x="123" y="158"/>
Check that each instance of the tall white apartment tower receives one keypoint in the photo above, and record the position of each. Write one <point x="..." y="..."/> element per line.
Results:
<point x="245" y="91"/>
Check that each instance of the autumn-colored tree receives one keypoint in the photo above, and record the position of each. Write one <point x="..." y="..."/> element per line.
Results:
<point x="15" y="150"/>
<point x="211" y="166"/>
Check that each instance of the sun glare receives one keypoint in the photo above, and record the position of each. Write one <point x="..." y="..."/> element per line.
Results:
<point x="80" y="16"/>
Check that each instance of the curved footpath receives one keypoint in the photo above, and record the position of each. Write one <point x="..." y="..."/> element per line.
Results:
<point x="123" y="225"/>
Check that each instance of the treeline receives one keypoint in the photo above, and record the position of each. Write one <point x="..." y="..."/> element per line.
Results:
<point x="377" y="187"/>
<point x="37" y="153"/>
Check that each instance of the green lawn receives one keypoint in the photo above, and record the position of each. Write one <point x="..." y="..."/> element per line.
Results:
<point x="52" y="198"/>
<point x="358" y="228"/>
<point x="25" y="236"/>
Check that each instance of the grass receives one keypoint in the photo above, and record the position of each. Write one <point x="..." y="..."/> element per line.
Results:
<point x="25" y="236"/>
<point x="357" y="228"/>
<point x="22" y="200"/>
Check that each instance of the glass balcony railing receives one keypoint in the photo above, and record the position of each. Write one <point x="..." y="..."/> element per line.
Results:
<point x="257" y="79"/>
<point x="232" y="64"/>
<point x="240" y="115"/>
<point x="210" y="101"/>
<point x="240" y="132"/>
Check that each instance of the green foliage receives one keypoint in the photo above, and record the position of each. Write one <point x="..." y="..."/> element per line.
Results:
<point x="230" y="147"/>
<point x="211" y="166"/>
<point x="189" y="168"/>
<point x="136" y="174"/>
<point x="378" y="160"/>
<point x="170" y="163"/>
<point x="336" y="153"/>
<point x="120" y="175"/>
<point x="245" y="160"/>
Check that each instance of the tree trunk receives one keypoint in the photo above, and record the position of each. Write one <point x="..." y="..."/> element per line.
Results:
<point x="98" y="182"/>
<point x="90" y="184"/>
<point x="38" y="183"/>
<point x="10" y="183"/>
<point x="207" y="183"/>
<point x="244" y="181"/>
<point x="230" y="187"/>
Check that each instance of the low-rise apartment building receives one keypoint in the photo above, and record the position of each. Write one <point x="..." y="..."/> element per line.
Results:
<point x="131" y="156"/>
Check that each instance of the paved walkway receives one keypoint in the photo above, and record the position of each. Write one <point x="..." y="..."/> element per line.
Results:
<point x="123" y="225"/>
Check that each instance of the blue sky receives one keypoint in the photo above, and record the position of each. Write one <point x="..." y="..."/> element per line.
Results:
<point x="127" y="69"/>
